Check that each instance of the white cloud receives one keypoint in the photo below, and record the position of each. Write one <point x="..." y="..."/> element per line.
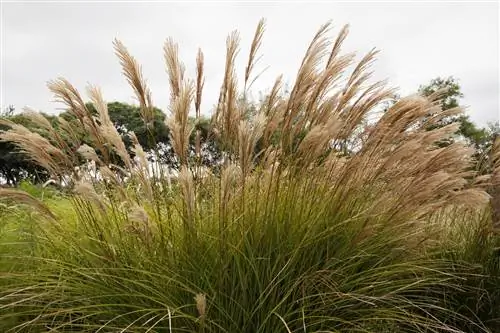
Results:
<point x="418" y="41"/>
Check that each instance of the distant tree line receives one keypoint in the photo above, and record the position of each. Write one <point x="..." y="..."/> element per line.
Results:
<point x="15" y="166"/>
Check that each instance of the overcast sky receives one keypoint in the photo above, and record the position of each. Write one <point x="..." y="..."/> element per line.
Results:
<point x="418" y="41"/>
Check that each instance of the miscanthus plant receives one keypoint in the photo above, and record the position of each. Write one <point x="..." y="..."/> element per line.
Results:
<point x="317" y="218"/>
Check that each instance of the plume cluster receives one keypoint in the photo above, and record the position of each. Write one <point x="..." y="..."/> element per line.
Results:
<point x="314" y="127"/>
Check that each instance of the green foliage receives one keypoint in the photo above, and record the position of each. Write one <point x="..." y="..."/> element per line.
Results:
<point x="452" y="91"/>
<point x="474" y="252"/>
<point x="15" y="166"/>
<point x="127" y="118"/>
<point x="280" y="266"/>
<point x="480" y="138"/>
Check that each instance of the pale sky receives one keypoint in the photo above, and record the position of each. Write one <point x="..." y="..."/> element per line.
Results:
<point x="418" y="41"/>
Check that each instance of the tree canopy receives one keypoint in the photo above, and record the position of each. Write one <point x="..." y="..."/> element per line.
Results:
<point x="480" y="138"/>
<point x="15" y="166"/>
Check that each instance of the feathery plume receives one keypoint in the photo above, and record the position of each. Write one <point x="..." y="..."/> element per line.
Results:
<point x="106" y="129"/>
<point x="87" y="191"/>
<point x="178" y="122"/>
<point x="201" y="304"/>
<point x="133" y="72"/>
<point x="37" y="148"/>
<point x="226" y="113"/>
<point x="24" y="198"/>
<point x="187" y="188"/>
<point x="67" y="94"/>
<point x="248" y="135"/>
<point x="254" y="48"/>
<point x="175" y="68"/>
<point x="89" y="153"/>
<point x="200" y="82"/>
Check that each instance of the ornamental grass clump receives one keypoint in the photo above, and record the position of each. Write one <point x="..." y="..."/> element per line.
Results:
<point x="315" y="218"/>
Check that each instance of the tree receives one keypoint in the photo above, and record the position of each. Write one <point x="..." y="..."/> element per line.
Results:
<point x="480" y="138"/>
<point x="155" y="140"/>
<point x="452" y="91"/>
<point x="15" y="166"/>
<point x="127" y="118"/>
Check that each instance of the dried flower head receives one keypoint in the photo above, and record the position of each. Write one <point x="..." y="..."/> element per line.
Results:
<point x="201" y="304"/>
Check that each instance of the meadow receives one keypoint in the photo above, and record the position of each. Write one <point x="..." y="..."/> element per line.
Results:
<point x="326" y="211"/>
